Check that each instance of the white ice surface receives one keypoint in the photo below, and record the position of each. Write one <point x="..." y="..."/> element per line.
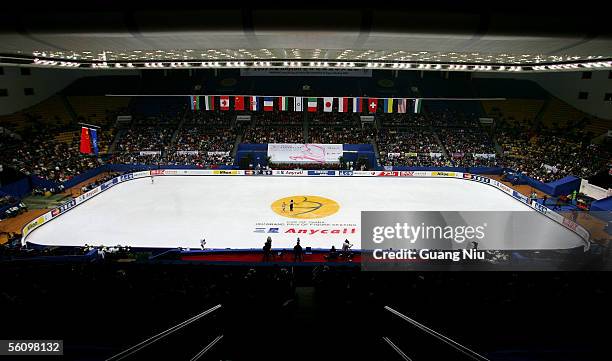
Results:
<point x="181" y="210"/>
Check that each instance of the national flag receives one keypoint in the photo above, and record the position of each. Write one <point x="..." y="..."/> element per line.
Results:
<point x="297" y="104"/>
<point x="209" y="102"/>
<point x="85" y="146"/>
<point x="401" y="106"/>
<point x="312" y="104"/>
<point x="224" y="102"/>
<point x="268" y="104"/>
<point x="94" y="140"/>
<point x="417" y="106"/>
<point x="283" y="103"/>
<point x="372" y="105"/>
<point x="238" y="103"/>
<point x="328" y="103"/>
<point x="342" y="105"/>
<point x="388" y="106"/>
<point x="357" y="105"/>
<point x="255" y="104"/>
<point x="194" y="102"/>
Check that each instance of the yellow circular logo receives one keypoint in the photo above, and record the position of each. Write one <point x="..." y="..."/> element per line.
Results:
<point x="305" y="207"/>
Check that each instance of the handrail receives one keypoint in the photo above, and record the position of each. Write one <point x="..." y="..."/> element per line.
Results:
<point x="396" y="349"/>
<point x="207" y="348"/>
<point x="162" y="253"/>
<point x="125" y="353"/>
<point x="459" y="347"/>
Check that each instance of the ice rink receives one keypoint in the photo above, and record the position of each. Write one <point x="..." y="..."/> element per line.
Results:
<point x="240" y="212"/>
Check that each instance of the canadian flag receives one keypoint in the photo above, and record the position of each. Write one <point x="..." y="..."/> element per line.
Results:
<point x="372" y="105"/>
<point x="328" y="104"/>
<point x="224" y="102"/>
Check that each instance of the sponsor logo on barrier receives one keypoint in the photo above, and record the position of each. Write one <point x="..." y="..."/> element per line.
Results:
<point x="109" y="184"/>
<point x="321" y="172"/>
<point x="480" y="179"/>
<point x="313" y="231"/>
<point x="32" y="225"/>
<point x="503" y="187"/>
<point x="249" y="172"/>
<point x="406" y="174"/>
<point x="158" y="172"/>
<point x="68" y="205"/>
<point x="345" y="173"/>
<point x="126" y="177"/>
<point x="305" y="207"/>
<point x="225" y="172"/>
<point x="389" y="174"/>
<point x="520" y="197"/>
<point x="290" y="172"/>
<point x="55" y="212"/>
<point x="86" y="196"/>
<point x="570" y="224"/>
<point x="443" y="174"/>
<point x="467" y="176"/>
<point x="539" y="207"/>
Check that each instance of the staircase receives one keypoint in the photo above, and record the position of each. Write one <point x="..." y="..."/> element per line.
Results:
<point x="439" y="142"/>
<point x="69" y="109"/>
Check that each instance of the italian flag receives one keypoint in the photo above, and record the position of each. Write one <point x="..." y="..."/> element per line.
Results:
<point x="283" y="103"/>
<point x="209" y="102"/>
<point x="312" y="104"/>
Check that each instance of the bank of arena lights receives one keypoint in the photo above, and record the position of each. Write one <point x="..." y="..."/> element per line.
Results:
<point x="318" y="64"/>
<point x="599" y="64"/>
<point x="575" y="66"/>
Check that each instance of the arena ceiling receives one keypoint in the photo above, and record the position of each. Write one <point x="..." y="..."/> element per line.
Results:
<point x="419" y="37"/>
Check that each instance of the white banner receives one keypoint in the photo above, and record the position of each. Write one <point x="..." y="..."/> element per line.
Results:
<point x="304" y="153"/>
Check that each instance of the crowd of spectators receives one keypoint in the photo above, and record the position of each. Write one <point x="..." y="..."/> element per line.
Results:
<point x="340" y="134"/>
<point x="274" y="134"/>
<point x="41" y="155"/>
<point x="407" y="146"/>
<point x="145" y="138"/>
<point x="279" y="118"/>
<point x="465" y="141"/>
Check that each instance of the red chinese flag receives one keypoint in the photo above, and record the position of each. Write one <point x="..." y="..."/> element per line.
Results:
<point x="372" y="105"/>
<point x="85" y="147"/>
<point x="238" y="103"/>
<point x="224" y="102"/>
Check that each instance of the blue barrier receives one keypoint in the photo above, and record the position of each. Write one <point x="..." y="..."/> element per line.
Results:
<point x="602" y="209"/>
<point x="17" y="189"/>
<point x="565" y="185"/>
<point x="83" y="177"/>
